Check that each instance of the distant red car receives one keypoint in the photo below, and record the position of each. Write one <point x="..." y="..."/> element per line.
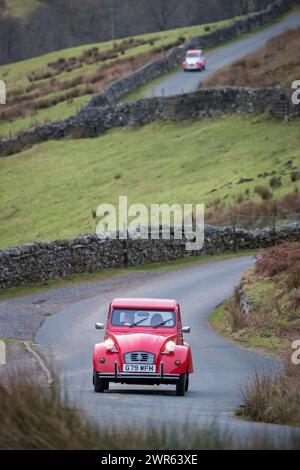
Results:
<point x="143" y="344"/>
<point x="194" y="60"/>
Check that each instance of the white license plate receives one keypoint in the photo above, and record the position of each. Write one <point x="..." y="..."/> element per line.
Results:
<point x="138" y="368"/>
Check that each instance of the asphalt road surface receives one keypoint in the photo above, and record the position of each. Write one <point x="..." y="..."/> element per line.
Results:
<point x="186" y="82"/>
<point x="66" y="339"/>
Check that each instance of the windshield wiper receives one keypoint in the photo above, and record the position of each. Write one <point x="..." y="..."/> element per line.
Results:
<point x="163" y="323"/>
<point x="138" y="322"/>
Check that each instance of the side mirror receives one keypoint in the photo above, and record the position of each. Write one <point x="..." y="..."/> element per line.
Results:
<point x="186" y="329"/>
<point x="99" y="326"/>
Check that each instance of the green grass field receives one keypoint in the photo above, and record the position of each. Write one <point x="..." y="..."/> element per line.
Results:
<point x="51" y="190"/>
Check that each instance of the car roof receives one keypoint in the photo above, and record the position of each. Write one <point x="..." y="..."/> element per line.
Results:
<point x="162" y="304"/>
<point x="194" y="50"/>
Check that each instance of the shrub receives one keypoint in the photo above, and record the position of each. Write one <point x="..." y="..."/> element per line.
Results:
<point x="295" y="176"/>
<point x="240" y="198"/>
<point x="234" y="314"/>
<point x="281" y="258"/>
<point x="274" y="398"/>
<point x="80" y="133"/>
<point x="263" y="192"/>
<point x="33" y="417"/>
<point x="275" y="182"/>
<point x="38" y="418"/>
<point x="295" y="299"/>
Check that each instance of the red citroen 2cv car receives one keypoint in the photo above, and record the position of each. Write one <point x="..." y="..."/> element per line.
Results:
<point x="143" y="344"/>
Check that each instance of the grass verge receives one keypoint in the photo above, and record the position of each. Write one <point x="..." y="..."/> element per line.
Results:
<point x="273" y="399"/>
<point x="36" y="418"/>
<point x="271" y="293"/>
<point x="264" y="314"/>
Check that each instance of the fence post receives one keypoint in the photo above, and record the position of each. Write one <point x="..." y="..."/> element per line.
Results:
<point x="2" y="353"/>
<point x="233" y="222"/>
<point x="193" y="220"/>
<point x="125" y="247"/>
<point x="274" y="224"/>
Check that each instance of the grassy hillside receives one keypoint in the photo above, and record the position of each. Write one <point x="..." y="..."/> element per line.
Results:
<point x="55" y="85"/>
<point x="52" y="190"/>
<point x="275" y="64"/>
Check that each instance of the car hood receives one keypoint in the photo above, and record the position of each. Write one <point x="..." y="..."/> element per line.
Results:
<point x="141" y="342"/>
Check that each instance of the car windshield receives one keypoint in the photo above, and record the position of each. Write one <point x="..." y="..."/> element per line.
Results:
<point x="193" y="54"/>
<point x="142" y="318"/>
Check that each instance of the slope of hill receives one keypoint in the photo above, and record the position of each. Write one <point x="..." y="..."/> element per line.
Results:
<point x="55" y="85"/>
<point x="52" y="190"/>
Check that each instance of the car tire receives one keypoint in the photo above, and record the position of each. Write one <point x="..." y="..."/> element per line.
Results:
<point x="181" y="384"/>
<point x="187" y="382"/>
<point x="99" y="384"/>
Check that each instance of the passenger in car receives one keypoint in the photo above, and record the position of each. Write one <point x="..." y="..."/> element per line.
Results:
<point x="156" y="319"/>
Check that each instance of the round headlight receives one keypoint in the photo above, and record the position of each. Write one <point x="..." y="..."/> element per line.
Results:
<point x="109" y="344"/>
<point x="170" y="346"/>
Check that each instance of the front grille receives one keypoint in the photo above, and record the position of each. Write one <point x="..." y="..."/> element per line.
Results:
<point x="139" y="357"/>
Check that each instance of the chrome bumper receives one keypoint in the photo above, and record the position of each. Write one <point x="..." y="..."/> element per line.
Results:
<point x="156" y="377"/>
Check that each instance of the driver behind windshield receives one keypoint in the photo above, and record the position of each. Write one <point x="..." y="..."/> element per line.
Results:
<point x="156" y="319"/>
<point x="128" y="319"/>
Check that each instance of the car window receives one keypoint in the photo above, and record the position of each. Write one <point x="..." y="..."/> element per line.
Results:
<point x="143" y="318"/>
<point x="194" y="54"/>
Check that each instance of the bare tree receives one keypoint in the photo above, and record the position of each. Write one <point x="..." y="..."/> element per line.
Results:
<point x="163" y="10"/>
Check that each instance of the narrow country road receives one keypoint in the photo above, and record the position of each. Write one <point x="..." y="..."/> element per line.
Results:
<point x="186" y="82"/>
<point x="67" y="339"/>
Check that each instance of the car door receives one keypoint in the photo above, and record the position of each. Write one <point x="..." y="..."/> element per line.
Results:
<point x="179" y="326"/>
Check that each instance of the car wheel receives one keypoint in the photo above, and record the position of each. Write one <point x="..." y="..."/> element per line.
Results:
<point x="99" y="384"/>
<point x="181" y="384"/>
<point x="187" y="382"/>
